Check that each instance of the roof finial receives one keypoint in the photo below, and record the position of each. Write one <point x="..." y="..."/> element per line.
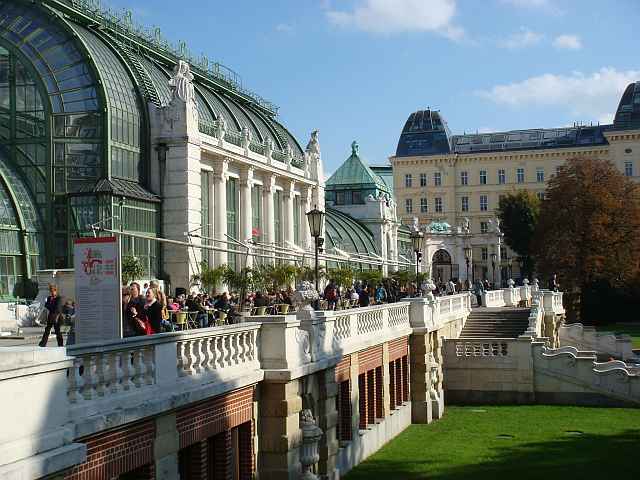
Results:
<point x="354" y="148"/>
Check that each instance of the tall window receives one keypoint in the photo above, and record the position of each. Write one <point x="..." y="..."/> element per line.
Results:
<point x="206" y="229"/>
<point x="256" y="213"/>
<point x="438" y="205"/>
<point x="423" y="205"/>
<point x="277" y="215"/>
<point x="483" y="203"/>
<point x="408" y="180"/>
<point x="628" y="169"/>
<point x="502" y="176"/>
<point x="465" y="204"/>
<point x="232" y="215"/>
<point x="483" y="177"/>
<point x="484" y="228"/>
<point x="520" y="175"/>
<point x="540" y="195"/>
<point x="485" y="253"/>
<point x="464" y="178"/>
<point x="437" y="179"/>
<point x="296" y="219"/>
<point x="423" y="179"/>
<point x="408" y="205"/>
<point x="540" y="175"/>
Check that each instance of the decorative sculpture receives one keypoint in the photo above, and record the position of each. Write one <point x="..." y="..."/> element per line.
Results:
<point x="311" y="435"/>
<point x="511" y="283"/>
<point x="304" y="296"/>
<point x="354" y="148"/>
<point x="181" y="82"/>
<point x="313" y="146"/>
<point x="498" y="231"/>
<point x="525" y="282"/>
<point x="466" y="226"/>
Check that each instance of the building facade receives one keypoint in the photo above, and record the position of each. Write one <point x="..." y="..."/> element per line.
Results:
<point x="105" y="123"/>
<point x="459" y="179"/>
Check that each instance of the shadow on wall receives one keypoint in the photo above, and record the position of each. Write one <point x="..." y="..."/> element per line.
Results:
<point x="577" y="456"/>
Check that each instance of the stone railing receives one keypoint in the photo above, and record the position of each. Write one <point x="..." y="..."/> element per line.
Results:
<point x="536" y="319"/>
<point x="493" y="298"/>
<point x="490" y="347"/>
<point x="587" y="338"/>
<point x="312" y="337"/>
<point x="434" y="313"/>
<point x="156" y="369"/>
<point x="552" y="301"/>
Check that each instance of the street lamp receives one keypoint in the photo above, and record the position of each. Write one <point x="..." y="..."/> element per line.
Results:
<point x="468" y="252"/>
<point x="316" y="223"/>
<point x="494" y="256"/>
<point x="416" y="241"/>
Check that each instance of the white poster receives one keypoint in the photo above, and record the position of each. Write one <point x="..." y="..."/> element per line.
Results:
<point x="98" y="289"/>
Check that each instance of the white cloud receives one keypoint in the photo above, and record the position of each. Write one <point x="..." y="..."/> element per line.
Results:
<point x="594" y="95"/>
<point x="546" y="6"/>
<point x="567" y="42"/>
<point x="521" y="39"/>
<point x="394" y="16"/>
<point x="284" y="28"/>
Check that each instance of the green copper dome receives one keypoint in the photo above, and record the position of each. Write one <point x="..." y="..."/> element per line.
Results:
<point x="354" y="173"/>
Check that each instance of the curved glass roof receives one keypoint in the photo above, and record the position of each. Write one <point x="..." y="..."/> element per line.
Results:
<point x="53" y="51"/>
<point x="346" y="233"/>
<point x="628" y="113"/>
<point x="24" y="202"/>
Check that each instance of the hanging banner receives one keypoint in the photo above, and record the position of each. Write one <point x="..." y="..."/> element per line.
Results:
<point x="98" y="289"/>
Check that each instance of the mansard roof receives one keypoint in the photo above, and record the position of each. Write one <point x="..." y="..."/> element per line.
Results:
<point x="355" y="173"/>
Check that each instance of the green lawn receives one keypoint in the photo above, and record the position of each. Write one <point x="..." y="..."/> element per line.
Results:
<point x="633" y="330"/>
<point x="514" y="442"/>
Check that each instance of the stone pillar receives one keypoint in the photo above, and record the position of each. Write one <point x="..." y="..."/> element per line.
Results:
<point x="289" y="234"/>
<point x="499" y="261"/>
<point x="426" y="398"/>
<point x="268" y="191"/>
<point x="246" y="213"/>
<point x="220" y="203"/>
<point x="280" y="435"/>
<point x="355" y="395"/>
<point x="327" y="417"/>
<point x="307" y="240"/>
<point x="166" y="447"/>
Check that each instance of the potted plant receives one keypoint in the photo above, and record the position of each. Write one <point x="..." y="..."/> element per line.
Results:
<point x="132" y="269"/>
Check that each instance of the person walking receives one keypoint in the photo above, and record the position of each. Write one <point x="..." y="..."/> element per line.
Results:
<point x="54" y="308"/>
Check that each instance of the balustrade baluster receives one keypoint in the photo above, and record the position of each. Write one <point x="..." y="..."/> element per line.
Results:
<point x="235" y="349"/>
<point x="100" y="374"/>
<point x="138" y="368"/>
<point x="197" y="356"/>
<point x="189" y="366"/>
<point x="180" y="359"/>
<point x="114" y="372"/>
<point x="149" y="365"/>
<point x="228" y="352"/>
<point x="127" y="370"/>
<point x="88" y="391"/>
<point x="242" y="347"/>
<point x="221" y="351"/>
<point x="74" y="381"/>
<point x="206" y="349"/>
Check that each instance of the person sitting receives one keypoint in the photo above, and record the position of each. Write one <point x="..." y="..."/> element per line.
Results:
<point x="153" y="311"/>
<point x="353" y="295"/>
<point x="260" y="300"/>
<point x="172" y="305"/>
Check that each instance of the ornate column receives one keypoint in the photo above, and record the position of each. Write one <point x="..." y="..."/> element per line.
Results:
<point x="289" y="234"/>
<point x="220" y="203"/>
<point x="268" y="189"/>
<point x="246" y="212"/>
<point x="305" y="200"/>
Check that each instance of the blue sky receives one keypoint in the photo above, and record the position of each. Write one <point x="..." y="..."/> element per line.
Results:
<point x="355" y="69"/>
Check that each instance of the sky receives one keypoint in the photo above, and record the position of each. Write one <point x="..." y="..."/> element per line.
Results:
<point x="356" y="69"/>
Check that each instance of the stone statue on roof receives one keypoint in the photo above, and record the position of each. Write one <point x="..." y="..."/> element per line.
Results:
<point x="181" y="82"/>
<point x="313" y="146"/>
<point x="354" y="148"/>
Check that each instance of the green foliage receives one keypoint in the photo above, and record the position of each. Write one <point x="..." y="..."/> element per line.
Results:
<point x="519" y="213"/>
<point x="342" y="276"/>
<point x="132" y="269"/>
<point x="403" y="277"/>
<point x="25" y="288"/>
<point x="371" y="277"/>
<point x="211" y="277"/>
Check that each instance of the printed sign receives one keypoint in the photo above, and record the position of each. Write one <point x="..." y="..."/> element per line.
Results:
<point x="98" y="291"/>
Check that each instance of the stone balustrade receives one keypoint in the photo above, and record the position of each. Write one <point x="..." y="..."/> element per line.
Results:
<point x="587" y="338"/>
<point x="493" y="298"/>
<point x="552" y="301"/>
<point x="428" y="314"/>
<point x="479" y="347"/>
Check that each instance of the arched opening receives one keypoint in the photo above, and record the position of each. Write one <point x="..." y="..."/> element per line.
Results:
<point x="442" y="268"/>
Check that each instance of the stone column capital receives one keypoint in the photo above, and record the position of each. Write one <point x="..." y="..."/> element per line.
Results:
<point x="246" y="176"/>
<point x="289" y="186"/>
<point x="221" y="169"/>
<point x="269" y="182"/>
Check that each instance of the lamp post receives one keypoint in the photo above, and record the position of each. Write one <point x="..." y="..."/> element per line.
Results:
<point x="468" y="252"/>
<point x="316" y="223"/>
<point x="494" y="256"/>
<point x="416" y="242"/>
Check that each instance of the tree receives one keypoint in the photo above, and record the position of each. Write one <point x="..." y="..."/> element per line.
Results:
<point x="342" y="276"/>
<point x="132" y="269"/>
<point x="589" y="229"/>
<point x="211" y="277"/>
<point x="518" y="213"/>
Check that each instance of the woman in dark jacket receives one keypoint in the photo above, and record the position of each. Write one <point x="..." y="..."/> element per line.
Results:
<point x="54" y="311"/>
<point x="153" y="311"/>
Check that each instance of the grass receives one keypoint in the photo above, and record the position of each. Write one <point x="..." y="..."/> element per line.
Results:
<point x="631" y="329"/>
<point x="519" y="442"/>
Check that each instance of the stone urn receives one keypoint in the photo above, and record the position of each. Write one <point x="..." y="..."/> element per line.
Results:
<point x="428" y="287"/>
<point x="511" y="283"/>
<point x="304" y="296"/>
<point x="311" y="435"/>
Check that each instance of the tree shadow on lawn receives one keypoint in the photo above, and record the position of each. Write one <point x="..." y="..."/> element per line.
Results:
<point x="576" y="456"/>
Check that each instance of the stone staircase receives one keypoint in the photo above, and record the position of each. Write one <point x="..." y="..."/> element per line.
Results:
<point x="496" y="323"/>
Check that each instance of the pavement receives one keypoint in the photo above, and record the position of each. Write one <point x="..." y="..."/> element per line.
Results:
<point x="31" y="336"/>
